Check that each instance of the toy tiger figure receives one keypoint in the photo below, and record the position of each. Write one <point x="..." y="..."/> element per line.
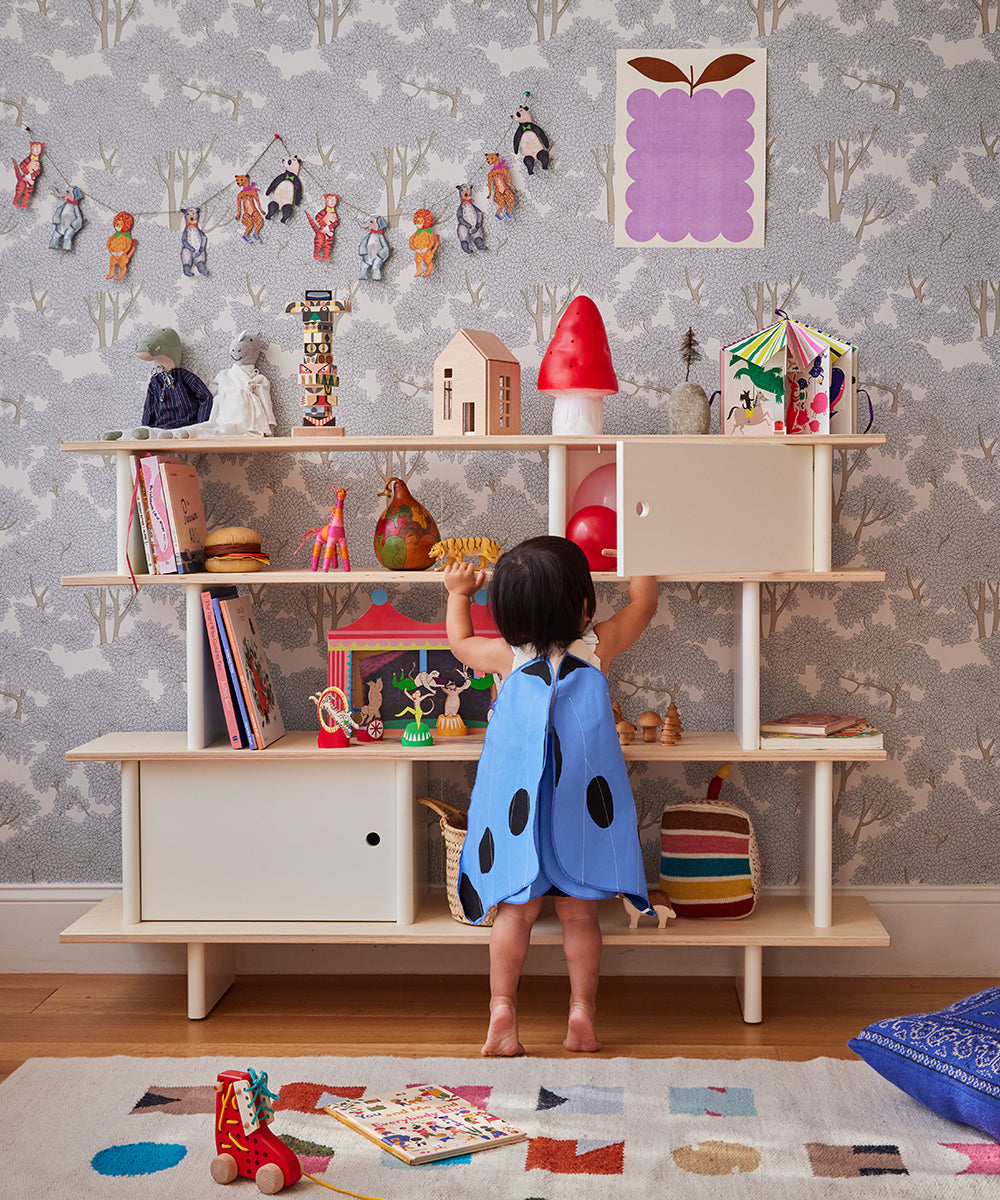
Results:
<point x="454" y="550"/>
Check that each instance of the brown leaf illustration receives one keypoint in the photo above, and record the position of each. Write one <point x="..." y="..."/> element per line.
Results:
<point x="663" y="71"/>
<point x="723" y="68"/>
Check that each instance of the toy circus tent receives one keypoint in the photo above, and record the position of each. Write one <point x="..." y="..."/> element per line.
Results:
<point x="787" y="379"/>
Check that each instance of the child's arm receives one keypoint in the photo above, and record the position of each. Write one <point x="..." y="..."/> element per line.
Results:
<point x="619" y="631"/>
<point x="488" y="654"/>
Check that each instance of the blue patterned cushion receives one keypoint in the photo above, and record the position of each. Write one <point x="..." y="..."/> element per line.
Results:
<point x="948" y="1060"/>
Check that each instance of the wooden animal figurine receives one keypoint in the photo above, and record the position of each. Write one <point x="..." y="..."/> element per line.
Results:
<point x="27" y="172"/>
<point x="453" y="550"/>
<point x="248" y="209"/>
<point x="374" y="247"/>
<point x="244" y="1143"/>
<point x="470" y="220"/>
<point x="500" y="187"/>
<point x="194" y="244"/>
<point x="285" y="190"/>
<point x="324" y="223"/>
<point x="659" y="902"/>
<point x="121" y="245"/>
<point x="67" y="220"/>
<point x="424" y="243"/>
<point x="530" y="140"/>
<point x="330" y="540"/>
<point x="405" y="532"/>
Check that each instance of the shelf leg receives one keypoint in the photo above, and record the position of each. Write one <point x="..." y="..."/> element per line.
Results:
<point x="817" y="845"/>
<point x="750" y="985"/>
<point x="557" y="491"/>
<point x="211" y="970"/>
<point x="822" y="508"/>
<point x="747" y="685"/>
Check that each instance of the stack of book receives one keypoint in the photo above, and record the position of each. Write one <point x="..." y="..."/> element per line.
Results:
<point x="819" y="731"/>
<point x="169" y="511"/>
<point x="246" y="685"/>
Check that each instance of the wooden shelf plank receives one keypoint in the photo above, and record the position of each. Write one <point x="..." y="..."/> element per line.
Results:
<point x="319" y="444"/>
<point x="777" y="921"/>
<point x="382" y="578"/>
<point x="696" y="746"/>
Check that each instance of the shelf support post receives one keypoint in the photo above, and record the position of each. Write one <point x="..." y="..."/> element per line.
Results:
<point x="211" y="972"/>
<point x="822" y="508"/>
<point x="817" y="844"/>
<point x="131" y="899"/>
<point x="746" y="691"/>
<point x="197" y="693"/>
<point x="750" y="985"/>
<point x="557" y="490"/>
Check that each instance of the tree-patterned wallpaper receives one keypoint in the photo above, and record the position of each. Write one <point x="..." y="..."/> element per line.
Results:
<point x="883" y="177"/>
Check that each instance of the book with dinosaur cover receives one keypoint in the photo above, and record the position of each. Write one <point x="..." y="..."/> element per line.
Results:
<point x="424" y="1123"/>
<point x="860" y="735"/>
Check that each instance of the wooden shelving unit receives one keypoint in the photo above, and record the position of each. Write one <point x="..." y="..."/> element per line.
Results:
<point x="187" y="774"/>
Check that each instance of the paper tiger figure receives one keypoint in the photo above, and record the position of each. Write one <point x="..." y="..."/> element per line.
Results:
<point x="454" y="550"/>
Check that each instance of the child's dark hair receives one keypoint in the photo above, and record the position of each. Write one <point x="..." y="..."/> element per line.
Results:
<point x="539" y="592"/>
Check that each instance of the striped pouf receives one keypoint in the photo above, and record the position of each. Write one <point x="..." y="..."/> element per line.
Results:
<point x="709" y="863"/>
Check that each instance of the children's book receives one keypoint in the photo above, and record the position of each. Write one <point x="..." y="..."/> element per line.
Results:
<point x="812" y="723"/>
<point x="233" y="675"/>
<point x="185" y="514"/>
<point x="861" y="735"/>
<point x="253" y="669"/>
<point x="159" y="519"/>
<point x="140" y="514"/>
<point x="424" y="1123"/>
<point x="222" y="677"/>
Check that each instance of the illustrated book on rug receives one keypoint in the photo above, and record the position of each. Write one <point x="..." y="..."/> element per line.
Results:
<point x="860" y="735"/>
<point x="253" y="669"/>
<point x="228" y="681"/>
<point x="424" y="1123"/>
<point x="808" y="723"/>
<point x="182" y="497"/>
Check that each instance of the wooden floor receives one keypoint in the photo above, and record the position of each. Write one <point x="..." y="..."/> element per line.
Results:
<point x="269" y="1015"/>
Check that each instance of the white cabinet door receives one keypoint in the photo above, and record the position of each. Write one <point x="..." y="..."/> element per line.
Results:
<point x="249" y="840"/>
<point x="693" y="509"/>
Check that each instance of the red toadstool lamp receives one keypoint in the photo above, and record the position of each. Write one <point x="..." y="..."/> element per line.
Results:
<point x="577" y="370"/>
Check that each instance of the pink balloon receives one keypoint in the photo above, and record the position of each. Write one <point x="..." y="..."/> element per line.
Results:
<point x="599" y="487"/>
<point x="595" y="528"/>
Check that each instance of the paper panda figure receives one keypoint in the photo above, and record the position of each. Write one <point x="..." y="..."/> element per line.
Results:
<point x="285" y="190"/>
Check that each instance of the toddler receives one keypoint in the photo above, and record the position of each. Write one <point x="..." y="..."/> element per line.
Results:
<point x="552" y="811"/>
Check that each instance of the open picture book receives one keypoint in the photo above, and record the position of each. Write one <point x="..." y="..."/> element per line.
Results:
<point x="423" y="1123"/>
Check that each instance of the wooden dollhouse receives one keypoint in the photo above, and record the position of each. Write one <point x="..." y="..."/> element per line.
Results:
<point x="477" y="386"/>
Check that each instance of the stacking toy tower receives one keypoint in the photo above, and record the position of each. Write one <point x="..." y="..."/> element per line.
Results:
<point x="317" y="371"/>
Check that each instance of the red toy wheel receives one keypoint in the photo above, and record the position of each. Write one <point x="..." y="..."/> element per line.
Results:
<point x="375" y="729"/>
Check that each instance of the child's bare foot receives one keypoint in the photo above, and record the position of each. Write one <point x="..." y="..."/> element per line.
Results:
<point x="580" y="1032"/>
<point x="501" y="1037"/>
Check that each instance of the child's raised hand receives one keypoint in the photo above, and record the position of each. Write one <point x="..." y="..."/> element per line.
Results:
<point x="463" y="579"/>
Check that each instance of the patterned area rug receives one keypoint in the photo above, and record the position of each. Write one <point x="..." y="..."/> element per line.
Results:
<point x="598" y="1129"/>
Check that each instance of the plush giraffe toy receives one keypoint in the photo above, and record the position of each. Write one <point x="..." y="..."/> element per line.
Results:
<point x="330" y="544"/>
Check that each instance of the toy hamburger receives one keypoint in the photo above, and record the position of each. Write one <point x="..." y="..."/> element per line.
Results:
<point x="234" y="548"/>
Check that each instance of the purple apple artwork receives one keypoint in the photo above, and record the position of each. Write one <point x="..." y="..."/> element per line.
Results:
<point x="691" y="148"/>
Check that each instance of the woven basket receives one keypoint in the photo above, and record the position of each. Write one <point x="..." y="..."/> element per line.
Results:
<point x="454" y="823"/>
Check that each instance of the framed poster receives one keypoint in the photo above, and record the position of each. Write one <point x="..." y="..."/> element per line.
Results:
<point x="690" y="147"/>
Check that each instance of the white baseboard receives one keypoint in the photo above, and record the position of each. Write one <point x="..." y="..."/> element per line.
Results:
<point x="934" y="932"/>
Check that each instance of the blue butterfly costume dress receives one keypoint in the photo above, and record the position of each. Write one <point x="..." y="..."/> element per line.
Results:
<point x="552" y="806"/>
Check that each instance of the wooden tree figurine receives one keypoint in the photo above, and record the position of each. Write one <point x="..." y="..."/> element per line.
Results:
<point x="672" y="727"/>
<point x="688" y="406"/>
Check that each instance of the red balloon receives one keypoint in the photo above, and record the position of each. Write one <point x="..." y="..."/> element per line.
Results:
<point x="595" y="528"/>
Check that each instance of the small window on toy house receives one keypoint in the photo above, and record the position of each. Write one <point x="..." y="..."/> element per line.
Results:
<point x="504" y="397"/>
<point x="447" y="393"/>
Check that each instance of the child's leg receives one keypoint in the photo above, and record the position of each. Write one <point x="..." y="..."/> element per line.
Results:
<point x="582" y="946"/>
<point x="509" y="939"/>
